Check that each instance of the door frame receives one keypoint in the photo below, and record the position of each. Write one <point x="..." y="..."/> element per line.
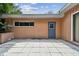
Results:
<point x="72" y="33"/>
<point x="55" y="29"/>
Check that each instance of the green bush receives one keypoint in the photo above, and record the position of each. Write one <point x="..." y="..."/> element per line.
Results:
<point x="4" y="26"/>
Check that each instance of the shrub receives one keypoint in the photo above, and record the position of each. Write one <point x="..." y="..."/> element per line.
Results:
<point x="4" y="26"/>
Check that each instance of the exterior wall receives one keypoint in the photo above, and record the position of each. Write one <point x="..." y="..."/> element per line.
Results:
<point x="39" y="30"/>
<point x="4" y="37"/>
<point x="66" y="26"/>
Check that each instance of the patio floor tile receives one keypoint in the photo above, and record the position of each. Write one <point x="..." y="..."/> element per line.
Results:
<point x="38" y="47"/>
<point x="15" y="50"/>
<point x="45" y="54"/>
<point x="56" y="54"/>
<point x="53" y="50"/>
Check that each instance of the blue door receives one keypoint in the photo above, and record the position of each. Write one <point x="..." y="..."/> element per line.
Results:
<point x="52" y="30"/>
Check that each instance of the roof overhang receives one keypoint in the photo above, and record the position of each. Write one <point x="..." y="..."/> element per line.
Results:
<point x="67" y="7"/>
<point x="33" y="16"/>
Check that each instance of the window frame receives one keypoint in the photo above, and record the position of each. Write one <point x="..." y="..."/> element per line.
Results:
<point x="30" y="24"/>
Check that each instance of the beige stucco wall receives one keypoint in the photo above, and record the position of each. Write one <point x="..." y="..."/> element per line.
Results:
<point x="4" y="37"/>
<point x="40" y="29"/>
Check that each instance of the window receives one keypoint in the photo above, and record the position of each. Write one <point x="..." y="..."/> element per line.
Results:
<point x="51" y="26"/>
<point x="24" y="23"/>
<point x="17" y="23"/>
<point x="31" y="23"/>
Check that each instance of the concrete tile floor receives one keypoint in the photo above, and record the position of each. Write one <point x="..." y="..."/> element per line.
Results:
<point x="38" y="47"/>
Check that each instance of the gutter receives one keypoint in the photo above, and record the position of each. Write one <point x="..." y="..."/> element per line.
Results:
<point x="33" y="16"/>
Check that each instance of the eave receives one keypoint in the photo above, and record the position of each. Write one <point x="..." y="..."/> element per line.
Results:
<point x="33" y="16"/>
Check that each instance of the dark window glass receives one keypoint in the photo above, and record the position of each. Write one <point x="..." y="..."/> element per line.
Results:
<point x="51" y="26"/>
<point x="31" y="23"/>
<point x="17" y="23"/>
<point x="26" y="23"/>
<point x="22" y="23"/>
